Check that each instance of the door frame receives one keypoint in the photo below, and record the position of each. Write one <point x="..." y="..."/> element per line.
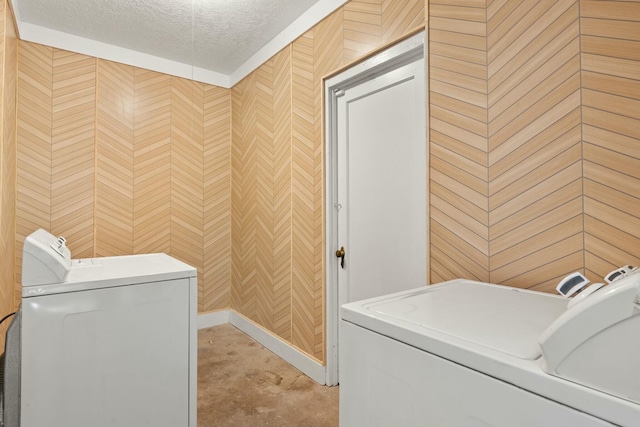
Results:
<point x="404" y="52"/>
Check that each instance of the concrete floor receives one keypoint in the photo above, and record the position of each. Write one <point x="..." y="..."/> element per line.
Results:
<point x="241" y="383"/>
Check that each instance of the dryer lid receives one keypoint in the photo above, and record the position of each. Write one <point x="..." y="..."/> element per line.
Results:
<point x="502" y="318"/>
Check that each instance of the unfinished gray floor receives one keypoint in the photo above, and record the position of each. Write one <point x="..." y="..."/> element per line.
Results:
<point x="241" y="383"/>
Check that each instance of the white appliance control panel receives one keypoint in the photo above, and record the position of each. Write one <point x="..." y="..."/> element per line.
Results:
<point x="595" y="342"/>
<point x="46" y="259"/>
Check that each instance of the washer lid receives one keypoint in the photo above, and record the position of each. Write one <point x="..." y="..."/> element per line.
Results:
<point x="506" y="319"/>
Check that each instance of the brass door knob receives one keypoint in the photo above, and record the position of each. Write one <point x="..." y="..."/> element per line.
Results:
<point x="340" y="254"/>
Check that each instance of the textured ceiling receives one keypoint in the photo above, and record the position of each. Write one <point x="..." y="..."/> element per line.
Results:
<point x="217" y="35"/>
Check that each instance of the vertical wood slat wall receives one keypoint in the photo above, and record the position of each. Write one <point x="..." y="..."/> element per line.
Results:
<point x="277" y="168"/>
<point x="120" y="160"/>
<point x="8" y="161"/>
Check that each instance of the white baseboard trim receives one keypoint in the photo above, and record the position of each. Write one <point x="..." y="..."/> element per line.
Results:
<point x="213" y="318"/>
<point x="309" y="366"/>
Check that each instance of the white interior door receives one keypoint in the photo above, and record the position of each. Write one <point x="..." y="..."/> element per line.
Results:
<point x="382" y="219"/>
<point x="376" y="181"/>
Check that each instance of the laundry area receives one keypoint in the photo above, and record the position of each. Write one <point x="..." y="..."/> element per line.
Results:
<point x="319" y="213"/>
<point x="92" y="335"/>
<point x="100" y="330"/>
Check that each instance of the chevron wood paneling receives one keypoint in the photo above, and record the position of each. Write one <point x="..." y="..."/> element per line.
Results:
<point x="265" y="180"/>
<point x="534" y="144"/>
<point x="264" y="140"/>
<point x="160" y="145"/>
<point x="362" y="28"/>
<point x="400" y="17"/>
<point x="187" y="176"/>
<point x="249" y="202"/>
<point x="72" y="161"/>
<point x="277" y="169"/>
<point x="281" y="198"/>
<point x="237" y="207"/>
<point x="217" y="198"/>
<point x="533" y="111"/>
<point x="114" y="148"/>
<point x="303" y="261"/>
<point x="8" y="165"/>
<point x="368" y="24"/>
<point x="151" y="162"/>
<point x="34" y="133"/>
<point x="610" y="44"/>
<point x="263" y="143"/>
<point x="164" y="166"/>
<point x="458" y="141"/>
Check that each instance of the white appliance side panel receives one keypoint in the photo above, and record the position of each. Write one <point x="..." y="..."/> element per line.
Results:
<point x="193" y="352"/>
<point x="384" y="382"/>
<point x="115" y="356"/>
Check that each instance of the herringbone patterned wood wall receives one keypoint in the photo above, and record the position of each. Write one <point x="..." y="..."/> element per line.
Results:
<point x="152" y="162"/>
<point x="506" y="171"/>
<point x="33" y="198"/>
<point x="122" y="161"/>
<point x="8" y="162"/>
<point x="72" y="148"/>
<point x="277" y="169"/>
<point x="529" y="119"/>
<point x="262" y="195"/>
<point x="611" y="132"/>
<point x="187" y="176"/>
<point x="459" y="182"/>
<point x="238" y="185"/>
<point x="217" y="198"/>
<point x="114" y="152"/>
<point x="535" y="168"/>
<point x="303" y="262"/>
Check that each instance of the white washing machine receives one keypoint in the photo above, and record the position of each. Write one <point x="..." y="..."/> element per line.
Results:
<point x="464" y="353"/>
<point x="101" y="342"/>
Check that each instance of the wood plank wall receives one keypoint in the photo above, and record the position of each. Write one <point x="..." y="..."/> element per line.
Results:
<point x="8" y="162"/>
<point x="610" y="56"/>
<point x="533" y="139"/>
<point x="535" y="168"/>
<point x="534" y="114"/>
<point x="122" y="160"/>
<point x="277" y="169"/>
<point x="459" y="183"/>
